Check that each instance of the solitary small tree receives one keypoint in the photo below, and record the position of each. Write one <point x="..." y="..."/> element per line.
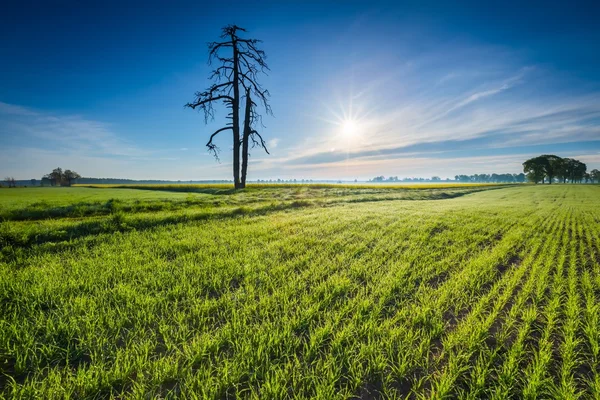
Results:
<point x="240" y="61"/>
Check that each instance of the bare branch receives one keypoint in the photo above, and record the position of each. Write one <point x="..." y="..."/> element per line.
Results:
<point x="214" y="47"/>
<point x="223" y="70"/>
<point x="199" y="103"/>
<point x="212" y="148"/>
<point x="258" y="58"/>
<point x="259" y="142"/>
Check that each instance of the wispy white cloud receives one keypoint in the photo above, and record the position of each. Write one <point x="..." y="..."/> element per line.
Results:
<point x="12" y="109"/>
<point x="592" y="159"/>
<point x="64" y="132"/>
<point x="481" y="94"/>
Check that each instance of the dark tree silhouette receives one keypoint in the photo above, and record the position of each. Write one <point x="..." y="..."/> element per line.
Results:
<point x="236" y="71"/>
<point x="551" y="167"/>
<point x="579" y="171"/>
<point x="595" y="175"/>
<point x="56" y="176"/>
<point x="250" y="133"/>
<point x="70" y="176"/>
<point x="535" y="169"/>
<point x="572" y="170"/>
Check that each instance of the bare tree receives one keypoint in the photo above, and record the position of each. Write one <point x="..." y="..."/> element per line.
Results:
<point x="236" y="71"/>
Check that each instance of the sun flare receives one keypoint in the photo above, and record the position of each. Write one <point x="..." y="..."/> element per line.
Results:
<point x="349" y="127"/>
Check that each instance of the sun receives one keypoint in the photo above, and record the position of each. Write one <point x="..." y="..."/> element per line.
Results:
<point x="349" y="127"/>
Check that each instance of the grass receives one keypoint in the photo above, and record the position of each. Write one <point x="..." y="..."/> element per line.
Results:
<point x="300" y="292"/>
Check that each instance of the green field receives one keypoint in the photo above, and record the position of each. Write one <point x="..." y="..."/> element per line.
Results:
<point x="300" y="292"/>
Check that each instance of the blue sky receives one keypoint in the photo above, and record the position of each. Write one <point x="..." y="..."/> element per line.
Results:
<point x="432" y="89"/>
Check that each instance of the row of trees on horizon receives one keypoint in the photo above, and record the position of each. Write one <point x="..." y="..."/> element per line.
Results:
<point x="549" y="168"/>
<point x="10" y="181"/>
<point x="475" y="178"/>
<point x="492" y="178"/>
<point x="66" y="178"/>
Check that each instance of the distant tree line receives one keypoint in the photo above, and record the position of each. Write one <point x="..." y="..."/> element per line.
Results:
<point x="58" y="177"/>
<point x="549" y="168"/>
<point x="396" y="179"/>
<point x="476" y="178"/>
<point x="491" y="178"/>
<point x="279" y="180"/>
<point x="10" y="181"/>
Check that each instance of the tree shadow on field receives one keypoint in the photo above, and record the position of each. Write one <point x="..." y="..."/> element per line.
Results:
<point x="211" y="191"/>
<point x="43" y="210"/>
<point x="14" y="240"/>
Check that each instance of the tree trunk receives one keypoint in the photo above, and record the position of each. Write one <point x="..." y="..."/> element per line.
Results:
<point x="236" y="117"/>
<point x="246" y="138"/>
